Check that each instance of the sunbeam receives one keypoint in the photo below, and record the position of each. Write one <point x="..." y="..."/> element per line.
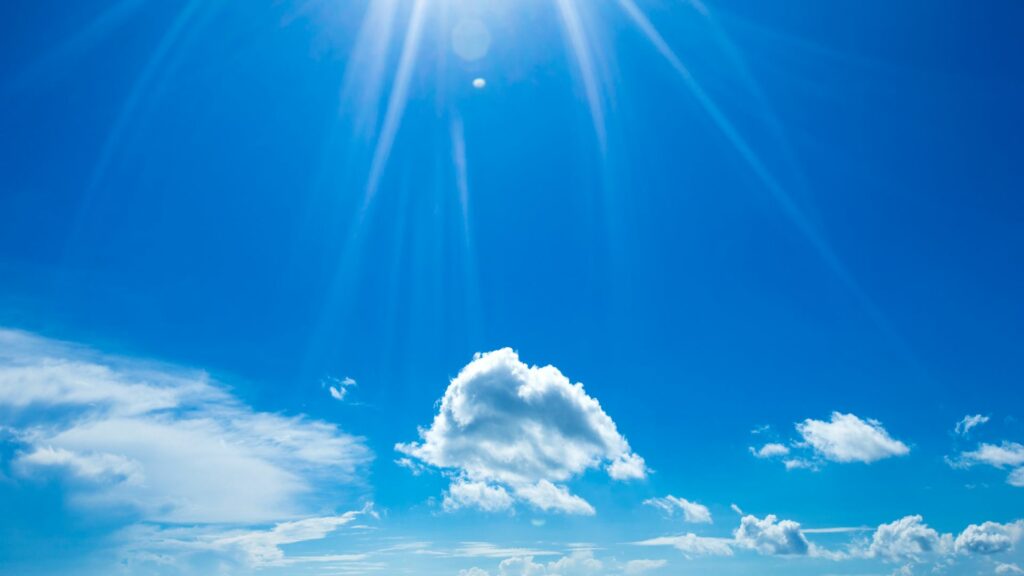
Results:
<point x="781" y="196"/>
<point x="583" y="54"/>
<point x="397" y="100"/>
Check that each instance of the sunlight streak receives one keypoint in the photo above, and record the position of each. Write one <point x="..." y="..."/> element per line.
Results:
<point x="583" y="54"/>
<point x="397" y="100"/>
<point x="785" y="201"/>
<point x="369" y="56"/>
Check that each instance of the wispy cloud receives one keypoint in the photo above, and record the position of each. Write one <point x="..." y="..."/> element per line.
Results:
<point x="168" y="443"/>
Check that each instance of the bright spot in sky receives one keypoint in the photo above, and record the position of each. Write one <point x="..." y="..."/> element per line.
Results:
<point x="479" y="83"/>
<point x="470" y="39"/>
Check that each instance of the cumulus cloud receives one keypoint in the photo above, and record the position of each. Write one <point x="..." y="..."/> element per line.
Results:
<point x="463" y="493"/>
<point x="964" y="426"/>
<point x="1005" y="455"/>
<point x="524" y="428"/>
<point x="474" y="571"/>
<point x="767" y="536"/>
<point x="770" y="450"/>
<point x="847" y="438"/>
<point x="168" y="443"/>
<point x="908" y="538"/>
<point x="1008" y="568"/>
<point x="989" y="537"/>
<point x="692" y="511"/>
<point x="546" y="496"/>
<point x="771" y="536"/>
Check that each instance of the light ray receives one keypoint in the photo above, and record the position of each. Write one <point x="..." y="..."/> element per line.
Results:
<point x="397" y="100"/>
<point x="74" y="47"/>
<point x="785" y="201"/>
<point x="583" y="54"/>
<point x="369" y="56"/>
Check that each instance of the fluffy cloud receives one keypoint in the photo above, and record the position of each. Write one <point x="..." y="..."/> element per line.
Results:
<point x="847" y="438"/>
<point x="642" y="566"/>
<point x="692" y="511"/>
<point x="1006" y="568"/>
<point x="1001" y="456"/>
<point x="1005" y="455"/>
<point x="770" y="450"/>
<point x="767" y="536"/>
<point x="168" y="443"/>
<point x="463" y="493"/>
<point x="964" y="426"/>
<point x="548" y="497"/>
<point x="525" y="429"/>
<point x="771" y="536"/>
<point x="989" y="537"/>
<point x="908" y="538"/>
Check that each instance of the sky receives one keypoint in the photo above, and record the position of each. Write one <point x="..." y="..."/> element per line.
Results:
<point x="511" y="288"/>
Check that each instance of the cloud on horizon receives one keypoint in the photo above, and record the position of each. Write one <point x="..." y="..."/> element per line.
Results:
<point x="166" y="443"/>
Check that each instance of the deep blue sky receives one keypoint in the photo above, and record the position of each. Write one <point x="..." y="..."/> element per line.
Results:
<point x="840" y="229"/>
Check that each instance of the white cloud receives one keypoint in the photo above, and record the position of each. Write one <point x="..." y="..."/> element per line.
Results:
<point x="578" y="563"/>
<point x="989" y="537"/>
<point x="1007" y="454"/>
<point x="771" y="536"/>
<point x="96" y="466"/>
<point x="339" y="388"/>
<point x="800" y="464"/>
<point x="548" y="497"/>
<point x="262" y="548"/>
<point x="692" y="545"/>
<point x="847" y="438"/>
<point x="908" y="538"/>
<point x="474" y="571"/>
<point x="964" y="426"/>
<point x="770" y="450"/>
<point x="521" y="566"/>
<point x="692" y="511"/>
<point x="166" y="442"/>
<point x="628" y="467"/>
<point x="252" y="548"/>
<point x="525" y="428"/>
<point x="1007" y="568"/>
<point x="464" y="493"/>
<point x="642" y="566"/>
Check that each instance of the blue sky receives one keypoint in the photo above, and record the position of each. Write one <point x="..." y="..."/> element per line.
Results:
<point x="308" y="287"/>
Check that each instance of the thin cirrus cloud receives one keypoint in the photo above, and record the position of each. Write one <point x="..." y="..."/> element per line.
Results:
<point x="844" y="438"/>
<point x="964" y="426"/>
<point x="167" y="443"/>
<point x="507" y="432"/>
